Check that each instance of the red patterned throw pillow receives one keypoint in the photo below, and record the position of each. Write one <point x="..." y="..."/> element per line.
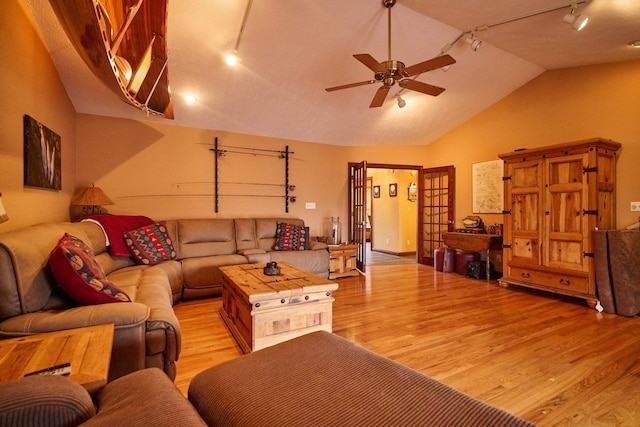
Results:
<point x="151" y="244"/>
<point x="291" y="237"/>
<point x="78" y="273"/>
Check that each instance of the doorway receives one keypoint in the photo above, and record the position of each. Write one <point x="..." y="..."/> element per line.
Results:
<point x="430" y="190"/>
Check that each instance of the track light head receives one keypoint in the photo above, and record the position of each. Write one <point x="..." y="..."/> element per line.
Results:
<point x="473" y="42"/>
<point x="232" y="58"/>
<point x="577" y="22"/>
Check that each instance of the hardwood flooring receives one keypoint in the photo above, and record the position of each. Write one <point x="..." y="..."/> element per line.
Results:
<point x="549" y="359"/>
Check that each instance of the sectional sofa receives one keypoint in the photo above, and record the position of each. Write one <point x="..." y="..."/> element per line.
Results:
<point x="147" y="332"/>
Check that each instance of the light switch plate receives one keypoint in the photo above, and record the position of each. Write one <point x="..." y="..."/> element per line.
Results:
<point x="310" y="205"/>
<point x="635" y="206"/>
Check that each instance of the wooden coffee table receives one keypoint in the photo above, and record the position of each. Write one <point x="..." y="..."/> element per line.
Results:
<point x="262" y="310"/>
<point x="87" y="349"/>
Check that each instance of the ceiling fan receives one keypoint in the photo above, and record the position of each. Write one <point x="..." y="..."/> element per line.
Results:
<point x="391" y="72"/>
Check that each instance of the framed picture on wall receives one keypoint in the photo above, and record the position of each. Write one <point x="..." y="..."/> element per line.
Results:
<point x="393" y="190"/>
<point x="42" y="164"/>
<point x="376" y="191"/>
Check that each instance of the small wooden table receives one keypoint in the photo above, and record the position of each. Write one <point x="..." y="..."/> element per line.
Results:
<point x="342" y="261"/>
<point x="474" y="242"/>
<point x="87" y="349"/>
<point x="262" y="310"/>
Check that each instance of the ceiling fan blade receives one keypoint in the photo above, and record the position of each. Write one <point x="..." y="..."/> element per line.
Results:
<point x="370" y="62"/>
<point x="380" y="96"/>
<point x="368" y="82"/>
<point x="431" y="64"/>
<point x="421" y="87"/>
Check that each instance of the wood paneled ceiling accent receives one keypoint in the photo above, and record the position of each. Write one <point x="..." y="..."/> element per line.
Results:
<point x="124" y="44"/>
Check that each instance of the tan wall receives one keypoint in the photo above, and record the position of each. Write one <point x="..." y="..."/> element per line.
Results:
<point x="166" y="171"/>
<point x="558" y="106"/>
<point x="30" y="85"/>
<point x="394" y="218"/>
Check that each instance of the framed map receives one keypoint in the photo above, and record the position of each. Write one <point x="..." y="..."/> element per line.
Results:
<point x="488" y="190"/>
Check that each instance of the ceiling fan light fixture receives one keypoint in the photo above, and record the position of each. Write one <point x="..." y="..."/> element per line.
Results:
<point x="473" y="42"/>
<point x="401" y="102"/>
<point x="577" y="22"/>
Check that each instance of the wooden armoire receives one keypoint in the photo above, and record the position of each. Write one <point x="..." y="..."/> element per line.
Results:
<point x="554" y="197"/>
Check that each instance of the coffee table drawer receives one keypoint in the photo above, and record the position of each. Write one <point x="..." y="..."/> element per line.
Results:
<point x="277" y="325"/>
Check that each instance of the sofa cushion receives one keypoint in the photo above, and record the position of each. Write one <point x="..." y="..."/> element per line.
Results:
<point x="150" y="244"/>
<point x="44" y="400"/>
<point x="80" y="276"/>
<point x="144" y="398"/>
<point x="290" y="237"/>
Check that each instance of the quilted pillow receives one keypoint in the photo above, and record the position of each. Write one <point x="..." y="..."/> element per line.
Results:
<point x="151" y="244"/>
<point x="291" y="237"/>
<point x="78" y="273"/>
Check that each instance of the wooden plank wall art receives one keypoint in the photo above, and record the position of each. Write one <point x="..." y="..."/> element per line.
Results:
<point x="42" y="164"/>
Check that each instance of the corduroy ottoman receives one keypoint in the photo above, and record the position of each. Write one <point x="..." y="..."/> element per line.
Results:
<point x="321" y="379"/>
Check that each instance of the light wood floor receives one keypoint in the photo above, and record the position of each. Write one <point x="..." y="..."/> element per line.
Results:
<point x="551" y="360"/>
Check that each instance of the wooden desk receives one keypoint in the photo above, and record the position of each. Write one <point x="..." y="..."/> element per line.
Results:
<point x="262" y="310"/>
<point x="87" y="349"/>
<point x="474" y="242"/>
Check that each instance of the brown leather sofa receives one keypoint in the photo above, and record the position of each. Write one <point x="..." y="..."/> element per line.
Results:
<point x="147" y="332"/>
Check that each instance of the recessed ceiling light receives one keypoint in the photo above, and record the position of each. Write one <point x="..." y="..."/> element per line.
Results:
<point x="190" y="99"/>
<point x="635" y="43"/>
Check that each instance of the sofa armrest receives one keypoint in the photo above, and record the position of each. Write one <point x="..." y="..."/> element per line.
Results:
<point x="255" y="256"/>
<point x="144" y="398"/>
<point x="315" y="245"/>
<point x="122" y="315"/>
<point x="45" y="400"/>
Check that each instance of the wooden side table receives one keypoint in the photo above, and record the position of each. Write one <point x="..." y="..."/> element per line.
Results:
<point x="342" y="261"/>
<point x="87" y="349"/>
<point x="475" y="243"/>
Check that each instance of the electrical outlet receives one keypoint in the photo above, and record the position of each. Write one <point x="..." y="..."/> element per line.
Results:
<point x="635" y="206"/>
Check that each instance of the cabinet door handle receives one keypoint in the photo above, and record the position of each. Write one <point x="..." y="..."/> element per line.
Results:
<point x="565" y="282"/>
<point x="525" y="275"/>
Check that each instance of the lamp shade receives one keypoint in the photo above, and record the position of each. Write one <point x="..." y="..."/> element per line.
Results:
<point x="91" y="196"/>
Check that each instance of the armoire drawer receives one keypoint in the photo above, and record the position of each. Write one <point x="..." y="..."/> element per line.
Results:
<point x="555" y="280"/>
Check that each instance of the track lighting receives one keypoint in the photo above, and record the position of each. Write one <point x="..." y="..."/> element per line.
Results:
<point x="233" y="58"/>
<point x="401" y="102"/>
<point x="473" y="42"/>
<point x="577" y="22"/>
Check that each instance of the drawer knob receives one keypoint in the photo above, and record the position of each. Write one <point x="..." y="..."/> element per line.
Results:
<point x="328" y="294"/>
<point x="565" y="282"/>
<point x="306" y="297"/>
<point x="257" y="305"/>
<point x="525" y="275"/>
<point x="282" y="301"/>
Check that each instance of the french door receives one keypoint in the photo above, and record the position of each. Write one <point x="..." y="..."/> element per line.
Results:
<point x="358" y="211"/>
<point x="436" y="213"/>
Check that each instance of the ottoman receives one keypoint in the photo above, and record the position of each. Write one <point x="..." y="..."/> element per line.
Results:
<point x="322" y="379"/>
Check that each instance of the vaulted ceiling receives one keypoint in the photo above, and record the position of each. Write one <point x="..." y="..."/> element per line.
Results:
<point x="292" y="50"/>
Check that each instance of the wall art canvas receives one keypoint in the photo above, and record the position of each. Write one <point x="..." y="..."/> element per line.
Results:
<point x="487" y="187"/>
<point x="42" y="157"/>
